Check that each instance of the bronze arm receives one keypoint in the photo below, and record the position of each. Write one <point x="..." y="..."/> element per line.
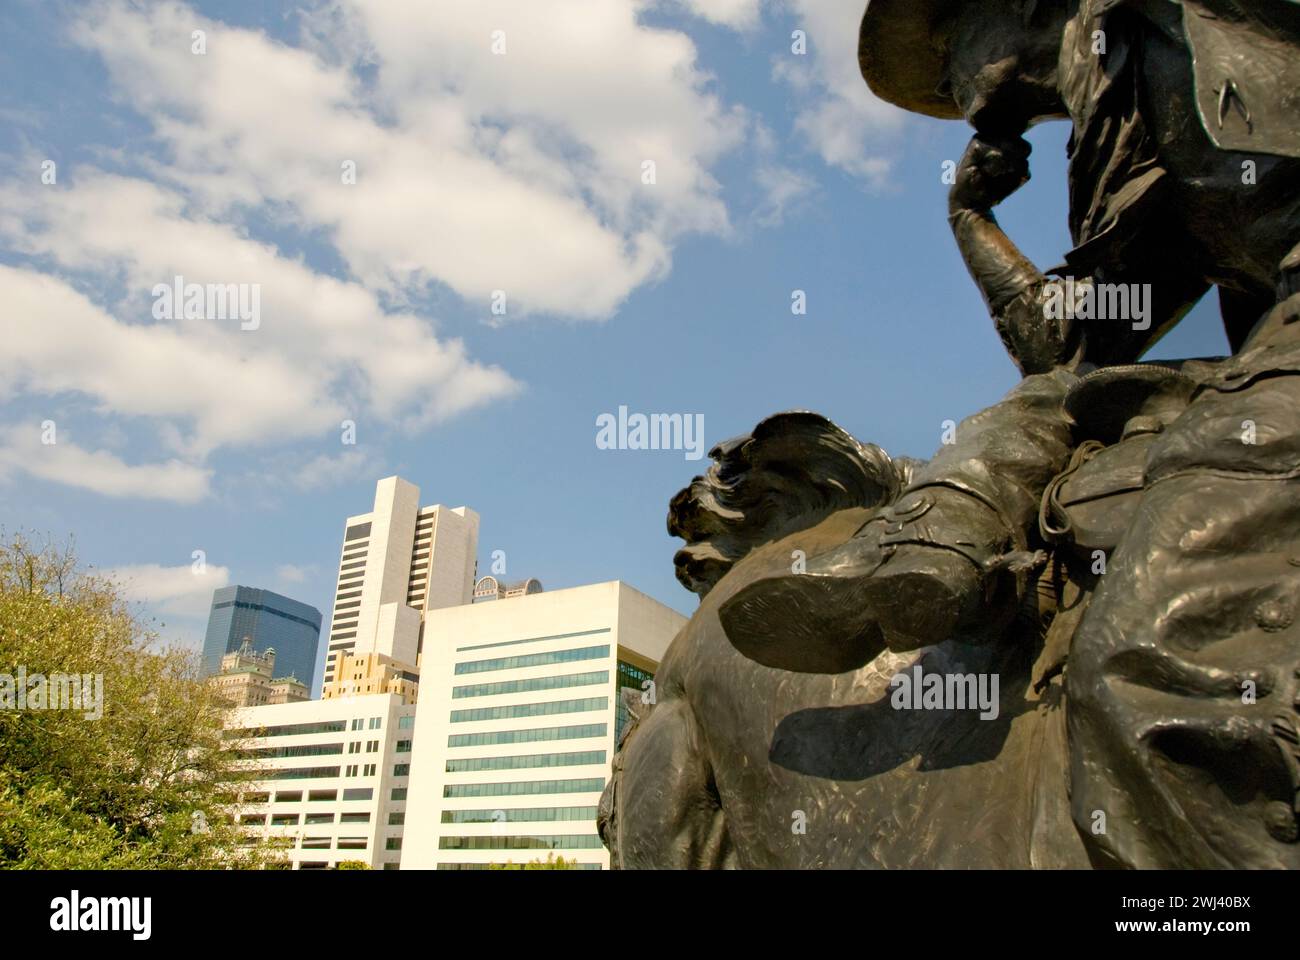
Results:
<point x="1012" y="287"/>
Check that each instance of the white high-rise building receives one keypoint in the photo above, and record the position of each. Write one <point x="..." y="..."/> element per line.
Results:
<point x="519" y="714"/>
<point x="332" y="773"/>
<point x="332" y="777"/>
<point x="520" y="706"/>
<point x="398" y="562"/>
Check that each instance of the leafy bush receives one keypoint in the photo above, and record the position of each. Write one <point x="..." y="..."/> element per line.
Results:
<point x="149" y="784"/>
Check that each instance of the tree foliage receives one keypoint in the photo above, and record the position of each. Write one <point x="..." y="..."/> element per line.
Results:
<point x="147" y="785"/>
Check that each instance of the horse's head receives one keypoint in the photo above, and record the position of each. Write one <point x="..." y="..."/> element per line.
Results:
<point x="790" y="473"/>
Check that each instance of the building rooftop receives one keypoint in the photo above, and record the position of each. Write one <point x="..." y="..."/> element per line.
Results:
<point x="490" y="588"/>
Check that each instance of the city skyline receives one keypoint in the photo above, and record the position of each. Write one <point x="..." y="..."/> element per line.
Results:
<point x="411" y="623"/>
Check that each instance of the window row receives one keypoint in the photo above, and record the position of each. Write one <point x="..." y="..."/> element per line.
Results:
<point x="295" y="796"/>
<point x="528" y="686"/>
<point x="345" y="843"/>
<point x="519" y="815"/>
<point x="313" y="796"/>
<point x="573" y="841"/>
<point x="298" y="773"/>
<point x="524" y="788"/>
<point x="530" y="710"/>
<point x="262" y="608"/>
<point x="303" y="750"/>
<point x="576" y="732"/>
<point x="525" y="761"/>
<point x="287" y="730"/>
<point x="515" y="643"/>
<point x="295" y="819"/>
<point x="533" y="659"/>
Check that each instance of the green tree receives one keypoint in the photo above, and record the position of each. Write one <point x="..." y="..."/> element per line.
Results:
<point x="149" y="784"/>
<point x="352" y="865"/>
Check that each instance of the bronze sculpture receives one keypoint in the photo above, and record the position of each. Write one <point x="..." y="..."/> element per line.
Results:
<point x="741" y="765"/>
<point x="1118" y="542"/>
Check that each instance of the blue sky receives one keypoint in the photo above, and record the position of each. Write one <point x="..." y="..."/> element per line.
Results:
<point x="477" y="171"/>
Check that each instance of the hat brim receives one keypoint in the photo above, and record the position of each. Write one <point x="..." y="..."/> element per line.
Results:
<point x="1103" y="401"/>
<point x="899" y="58"/>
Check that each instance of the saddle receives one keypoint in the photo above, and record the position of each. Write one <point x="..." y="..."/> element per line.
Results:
<point x="1119" y="413"/>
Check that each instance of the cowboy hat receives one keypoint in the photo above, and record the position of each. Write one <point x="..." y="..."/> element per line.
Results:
<point x="899" y="57"/>
<point x="1105" y="401"/>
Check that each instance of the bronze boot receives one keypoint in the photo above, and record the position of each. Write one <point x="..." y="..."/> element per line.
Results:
<point x="939" y="564"/>
<point x="947" y="559"/>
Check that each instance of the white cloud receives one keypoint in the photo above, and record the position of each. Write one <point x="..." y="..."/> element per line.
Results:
<point x="98" y="470"/>
<point x="180" y="591"/>
<point x="291" y="573"/>
<point x="737" y="14"/>
<point x="783" y="187"/>
<point x="327" y="470"/>
<point x="841" y="119"/>
<point x="519" y="172"/>
<point x="326" y="349"/>
<point x="224" y="389"/>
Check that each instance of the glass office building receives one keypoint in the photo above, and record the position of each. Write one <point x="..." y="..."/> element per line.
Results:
<point x="268" y="620"/>
<point x="515" y="732"/>
<point x="628" y="676"/>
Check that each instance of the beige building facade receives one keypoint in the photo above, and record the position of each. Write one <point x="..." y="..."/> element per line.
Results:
<point x="356" y="674"/>
<point x="247" y="679"/>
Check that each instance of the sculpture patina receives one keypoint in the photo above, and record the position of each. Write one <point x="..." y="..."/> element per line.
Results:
<point x="1115" y="544"/>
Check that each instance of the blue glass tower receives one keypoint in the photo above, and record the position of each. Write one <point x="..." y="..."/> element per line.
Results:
<point x="268" y="620"/>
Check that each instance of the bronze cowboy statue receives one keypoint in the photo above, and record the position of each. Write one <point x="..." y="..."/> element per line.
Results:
<point x="1118" y="542"/>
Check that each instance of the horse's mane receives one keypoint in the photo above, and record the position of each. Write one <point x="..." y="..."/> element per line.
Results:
<point x="791" y="472"/>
